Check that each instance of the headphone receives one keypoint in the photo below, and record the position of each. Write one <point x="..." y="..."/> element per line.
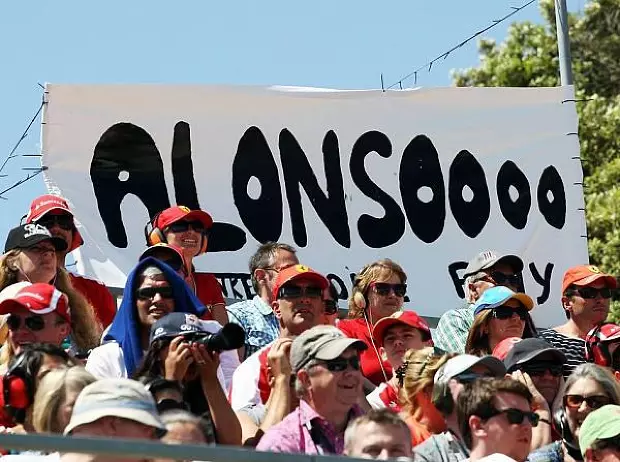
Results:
<point x="154" y="235"/>
<point x="560" y="423"/>
<point x="18" y="387"/>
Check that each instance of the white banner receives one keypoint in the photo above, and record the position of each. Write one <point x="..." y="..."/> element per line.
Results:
<point x="426" y="177"/>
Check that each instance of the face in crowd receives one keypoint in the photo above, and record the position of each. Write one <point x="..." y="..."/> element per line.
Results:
<point x="507" y="320"/>
<point x="37" y="263"/>
<point x="457" y="384"/>
<point x="330" y="306"/>
<point x="590" y="302"/>
<point x="546" y="374"/>
<point x="26" y="327"/>
<point x="60" y="224"/>
<point x="299" y="306"/>
<point x="380" y="441"/>
<point x="267" y="276"/>
<point x="188" y="235"/>
<point x="385" y="295"/>
<point x="397" y="340"/>
<point x="154" y="298"/>
<point x="499" y="274"/>
<point x="582" y="397"/>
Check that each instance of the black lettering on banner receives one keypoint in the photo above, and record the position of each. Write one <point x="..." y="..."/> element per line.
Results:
<point x="515" y="212"/>
<point x="420" y="167"/>
<point x="387" y="230"/>
<point x="297" y="172"/>
<point x="125" y="148"/>
<point x="228" y="282"/>
<point x="183" y="167"/>
<point x="456" y="279"/>
<point x="554" y="209"/>
<point x="472" y="215"/>
<point x="261" y="216"/>
<point x="544" y="281"/>
<point x="339" y="285"/>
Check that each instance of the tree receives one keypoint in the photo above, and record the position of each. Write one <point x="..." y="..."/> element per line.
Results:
<point x="529" y="58"/>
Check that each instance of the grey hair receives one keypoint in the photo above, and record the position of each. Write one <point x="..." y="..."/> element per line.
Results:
<point x="151" y="272"/>
<point x="599" y="374"/>
<point x="264" y="258"/>
<point x="182" y="416"/>
<point x="300" y="389"/>
<point x="470" y="280"/>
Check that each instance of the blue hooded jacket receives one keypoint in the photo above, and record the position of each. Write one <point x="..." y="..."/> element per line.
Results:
<point x="125" y="328"/>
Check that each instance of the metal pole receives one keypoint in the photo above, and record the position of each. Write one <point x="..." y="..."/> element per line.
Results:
<point x="561" y="27"/>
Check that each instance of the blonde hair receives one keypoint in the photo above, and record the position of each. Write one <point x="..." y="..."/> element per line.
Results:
<point x="52" y="392"/>
<point x="419" y="368"/>
<point x="85" y="328"/>
<point x="380" y="269"/>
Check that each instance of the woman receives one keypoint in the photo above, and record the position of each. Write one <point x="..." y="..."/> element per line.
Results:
<point x="499" y="314"/>
<point x="416" y="377"/>
<point x="55" y="397"/>
<point x="31" y="257"/>
<point x="589" y="387"/>
<point x="189" y="230"/>
<point x="176" y="354"/>
<point x="378" y="291"/>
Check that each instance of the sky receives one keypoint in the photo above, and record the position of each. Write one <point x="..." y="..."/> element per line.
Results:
<point x="344" y="44"/>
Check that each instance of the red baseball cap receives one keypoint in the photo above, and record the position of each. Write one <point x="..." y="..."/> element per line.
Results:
<point x="409" y="318"/>
<point x="298" y="273"/>
<point x="38" y="298"/>
<point x="47" y="203"/>
<point x="180" y="212"/>
<point x="502" y="349"/>
<point x="583" y="275"/>
<point x="605" y="333"/>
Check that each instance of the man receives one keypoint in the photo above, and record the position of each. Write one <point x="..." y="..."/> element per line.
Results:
<point x="450" y="380"/>
<point x="256" y="315"/>
<point x="599" y="435"/>
<point x="298" y="305"/>
<point x="380" y="434"/>
<point x="494" y="416"/>
<point x="586" y="293"/>
<point x="394" y="336"/>
<point x="603" y="347"/>
<point x="487" y="269"/>
<point x="54" y="213"/>
<point x="326" y="365"/>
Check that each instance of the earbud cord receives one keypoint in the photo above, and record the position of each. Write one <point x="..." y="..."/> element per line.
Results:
<point x="372" y="342"/>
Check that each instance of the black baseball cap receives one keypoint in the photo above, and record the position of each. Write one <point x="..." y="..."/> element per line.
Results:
<point x="532" y="348"/>
<point x="29" y="235"/>
<point x="175" y="324"/>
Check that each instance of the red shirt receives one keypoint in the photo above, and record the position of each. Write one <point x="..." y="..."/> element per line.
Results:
<point x="98" y="295"/>
<point x="371" y="363"/>
<point x="208" y="291"/>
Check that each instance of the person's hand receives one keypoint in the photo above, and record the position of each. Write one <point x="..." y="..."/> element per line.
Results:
<point x="206" y="361"/>
<point x="538" y="400"/>
<point x="178" y="360"/>
<point x="278" y="361"/>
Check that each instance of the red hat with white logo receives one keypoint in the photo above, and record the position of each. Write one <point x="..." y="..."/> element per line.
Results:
<point x="38" y="298"/>
<point x="180" y="212"/>
<point x="298" y="273"/>
<point x="49" y="203"/>
<point x="408" y="318"/>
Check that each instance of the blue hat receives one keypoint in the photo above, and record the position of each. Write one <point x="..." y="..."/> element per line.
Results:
<point x="497" y="296"/>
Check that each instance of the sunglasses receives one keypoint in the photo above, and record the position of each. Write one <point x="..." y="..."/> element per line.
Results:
<point x="539" y="369"/>
<point x="182" y="226"/>
<point x="591" y="292"/>
<point x="331" y="306"/>
<point x="384" y="289"/>
<point x="34" y="323"/>
<point x="299" y="292"/>
<point x="517" y="416"/>
<point x="341" y="364"/>
<point x="503" y="279"/>
<point x="593" y="402"/>
<point x="149" y="292"/>
<point x="169" y="404"/>
<point x="506" y="312"/>
<point x="63" y="221"/>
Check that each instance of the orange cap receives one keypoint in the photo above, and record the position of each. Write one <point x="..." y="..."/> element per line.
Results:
<point x="298" y="272"/>
<point x="583" y="275"/>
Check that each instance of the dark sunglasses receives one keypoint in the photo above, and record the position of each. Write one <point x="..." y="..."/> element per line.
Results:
<point x="517" y="416"/>
<point x="169" y="404"/>
<point x="539" y="369"/>
<point x="502" y="279"/>
<point x="63" y="221"/>
<point x="383" y="288"/>
<point x="182" y="226"/>
<point x="593" y="402"/>
<point x="341" y="364"/>
<point x="299" y="292"/>
<point x="506" y="312"/>
<point x="331" y="306"/>
<point x="34" y="323"/>
<point x="149" y="292"/>
<point x="591" y="292"/>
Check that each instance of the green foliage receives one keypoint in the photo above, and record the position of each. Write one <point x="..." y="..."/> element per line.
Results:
<point x="529" y="58"/>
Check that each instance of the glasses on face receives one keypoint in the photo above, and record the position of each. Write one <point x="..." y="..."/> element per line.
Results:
<point x="169" y="404"/>
<point x="384" y="289"/>
<point x="63" y="221"/>
<point x="35" y="322"/>
<point x="591" y="292"/>
<point x="300" y="292"/>
<point x="331" y="306"/>
<point x="183" y="225"/>
<point x="505" y="279"/>
<point x="539" y="369"/>
<point x="593" y="402"/>
<point x="147" y="293"/>
<point x="506" y="312"/>
<point x="517" y="416"/>
<point x="341" y="364"/>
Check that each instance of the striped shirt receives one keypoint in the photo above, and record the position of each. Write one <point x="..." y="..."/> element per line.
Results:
<point x="574" y="348"/>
